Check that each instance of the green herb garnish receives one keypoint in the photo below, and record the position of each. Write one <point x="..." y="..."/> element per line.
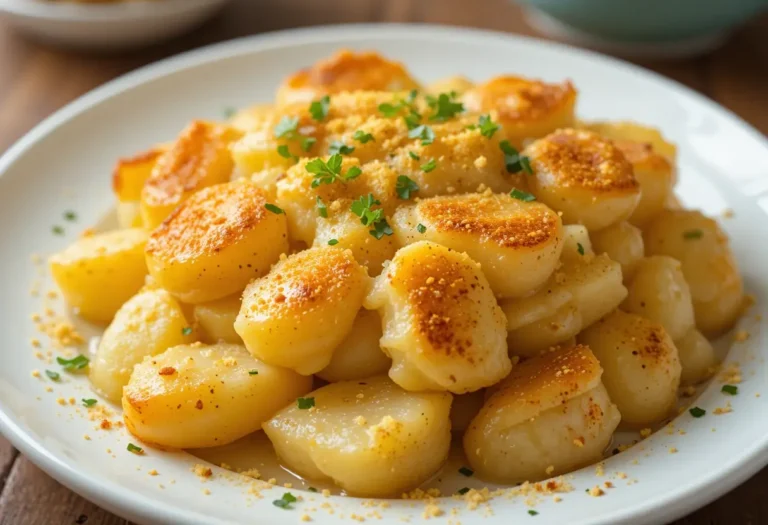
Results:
<point x="274" y="208"/>
<point x="390" y="110"/>
<point x="464" y="471"/>
<point x="424" y="133"/>
<point x="363" y="208"/>
<point x="305" y="403"/>
<point x="319" y="108"/>
<point x="312" y="489"/>
<point x="462" y="491"/>
<point x="187" y="330"/>
<point x="580" y="248"/>
<point x="339" y="147"/>
<point x="284" y="152"/>
<point x="330" y="171"/>
<point x="525" y="163"/>
<point x="421" y="228"/>
<point x="57" y="230"/>
<point x="522" y="195"/>
<point x="513" y="160"/>
<point x="133" y="448"/>
<point x="333" y="242"/>
<point x="445" y="108"/>
<point x="413" y="156"/>
<point x="70" y="216"/>
<point x="697" y="412"/>
<point x="53" y="376"/>
<point x="429" y="166"/>
<point x="285" y="501"/>
<point x="693" y="234"/>
<point x="405" y="186"/>
<point x="253" y="372"/>
<point x="487" y="126"/>
<point x="89" y="402"/>
<point x="322" y="209"/>
<point x="76" y="363"/>
<point x="730" y="389"/>
<point x="363" y="137"/>
<point x="532" y="512"/>
<point x="288" y="128"/>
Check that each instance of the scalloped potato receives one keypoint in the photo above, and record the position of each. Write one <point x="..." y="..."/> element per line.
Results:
<point x="517" y="243"/>
<point x="217" y="319"/>
<point x="128" y="179"/>
<point x="551" y="411"/>
<point x="196" y="396"/>
<point x="98" y="273"/>
<point x="359" y="355"/>
<point x="371" y="438"/>
<point x="442" y="326"/>
<point x="623" y="243"/>
<point x="697" y="357"/>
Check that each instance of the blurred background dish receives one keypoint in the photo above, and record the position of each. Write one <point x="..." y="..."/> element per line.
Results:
<point x="107" y="25"/>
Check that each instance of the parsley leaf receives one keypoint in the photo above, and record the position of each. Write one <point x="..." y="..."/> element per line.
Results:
<point x="580" y="248"/>
<point x="533" y="513"/>
<point x="421" y="228"/>
<point x="390" y="110"/>
<point x="338" y="146"/>
<point x="287" y="127"/>
<point x="730" y="389"/>
<point x="462" y="491"/>
<point x="413" y="156"/>
<point x="133" y="448"/>
<point x="445" y="108"/>
<point x="285" y="501"/>
<point x="53" y="376"/>
<point x="424" y="133"/>
<point x="333" y="242"/>
<point x="330" y="171"/>
<point x="363" y="137"/>
<point x="70" y="216"/>
<point x="429" y="166"/>
<point x="305" y="403"/>
<point x="253" y="372"/>
<point x="362" y="207"/>
<point x="187" y="330"/>
<point x="381" y="228"/>
<point x="57" y="230"/>
<point x="319" y="108"/>
<point x="487" y="126"/>
<point x="523" y="196"/>
<point x="89" y="402"/>
<point x="693" y="234"/>
<point x="464" y="471"/>
<point x="513" y="160"/>
<point x="284" y="152"/>
<point x="697" y="412"/>
<point x="405" y="186"/>
<point x="274" y="209"/>
<point x="322" y="209"/>
<point x="76" y="363"/>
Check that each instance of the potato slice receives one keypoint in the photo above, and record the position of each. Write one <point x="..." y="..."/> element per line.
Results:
<point x="215" y="242"/>
<point x="98" y="273"/>
<point x="217" y="319"/>
<point x="196" y="396"/>
<point x="370" y="437"/>
<point x="659" y="292"/>
<point x="551" y="411"/>
<point x="634" y="132"/>
<point x="199" y="158"/>
<point x="442" y="326"/>
<point x="708" y="264"/>
<point x="359" y="355"/>
<point x="303" y="309"/>
<point x="344" y="71"/>
<point x="455" y="84"/>
<point x="623" y="243"/>
<point x="130" y="174"/>
<point x="584" y="176"/>
<point x="576" y="242"/>
<point x="150" y="323"/>
<point x="641" y="363"/>
<point x="517" y="243"/>
<point x="697" y="358"/>
<point x="526" y="109"/>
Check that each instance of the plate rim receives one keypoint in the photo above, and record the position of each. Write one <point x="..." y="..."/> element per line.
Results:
<point x="664" y="508"/>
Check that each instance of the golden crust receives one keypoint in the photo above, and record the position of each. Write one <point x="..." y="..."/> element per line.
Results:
<point x="209" y="221"/>
<point x="578" y="158"/>
<point x="130" y="173"/>
<point x="495" y="218"/>
<point x="520" y="99"/>
<point x="545" y="382"/>
<point x="644" y="157"/>
<point x="633" y="132"/>
<point x="652" y="343"/>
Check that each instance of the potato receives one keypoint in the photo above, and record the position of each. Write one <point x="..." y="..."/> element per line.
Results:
<point x="346" y="228"/>
<point x="128" y="215"/>
<point x="595" y="282"/>
<point x="708" y="265"/>
<point x="197" y="396"/>
<point x="217" y="319"/>
<point x="98" y="273"/>
<point x="623" y="243"/>
<point x="539" y="336"/>
<point x="576" y="242"/>
<point x="344" y="71"/>
<point x="551" y="411"/>
<point x="584" y="176"/>
<point x="634" y="132"/>
<point x="464" y="408"/>
<point x="442" y="326"/>
<point x="517" y="243"/>
<point x="697" y="357"/>
<point x="148" y="324"/>
<point x="659" y="292"/>
<point x="252" y="117"/>
<point x="359" y="355"/>
<point x="303" y="309"/>
<point x="455" y="84"/>
<point x="370" y="437"/>
<point x="641" y="364"/>
<point x="199" y="158"/>
<point x="130" y="174"/>
<point x="525" y="108"/>
<point x="215" y="242"/>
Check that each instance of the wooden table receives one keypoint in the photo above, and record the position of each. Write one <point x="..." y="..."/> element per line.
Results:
<point x="36" y="80"/>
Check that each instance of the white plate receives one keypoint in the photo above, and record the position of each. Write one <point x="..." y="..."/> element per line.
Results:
<point x="65" y="163"/>
<point x="107" y="26"/>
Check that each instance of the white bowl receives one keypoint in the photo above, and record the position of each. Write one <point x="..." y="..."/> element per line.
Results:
<point x="65" y="164"/>
<point x="107" y="26"/>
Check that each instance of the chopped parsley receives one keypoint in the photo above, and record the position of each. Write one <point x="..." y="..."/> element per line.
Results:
<point x="274" y="208"/>
<point x="362" y="137"/>
<point x="70" y="216"/>
<point x="412" y="119"/>
<point x="692" y="234"/>
<point x="697" y="412"/>
<point x="513" y="160"/>
<point x="253" y="372"/>
<point x="363" y="208"/>
<point x="424" y="133"/>
<point x="405" y="186"/>
<point x="53" y="376"/>
<point x="580" y="248"/>
<point x="333" y="242"/>
<point x="487" y="126"/>
<point x="288" y="128"/>
<point x="319" y="108"/>
<point x="338" y="146"/>
<point x="305" y="403"/>
<point x="229" y="112"/>
<point x="390" y="110"/>
<point x="523" y="196"/>
<point x="462" y="491"/>
<point x="312" y="489"/>
<point x="89" y="402"/>
<point x="413" y="156"/>
<point x="76" y="363"/>
<point x="444" y="107"/>
<point x="133" y="448"/>
<point x="285" y="501"/>
<point x="284" y="152"/>
<point x="464" y="471"/>
<point x="57" y="230"/>
<point x="187" y="330"/>
<point x="429" y="166"/>
<point x="525" y="163"/>
<point x="329" y="172"/>
<point x="730" y="389"/>
<point x="421" y="228"/>
<point x="322" y="209"/>
<point x="532" y="512"/>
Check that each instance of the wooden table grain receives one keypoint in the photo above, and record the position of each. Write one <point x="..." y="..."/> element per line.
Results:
<point x="35" y="80"/>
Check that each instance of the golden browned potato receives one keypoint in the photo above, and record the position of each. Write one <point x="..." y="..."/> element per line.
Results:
<point x="196" y="396"/>
<point x="550" y="416"/>
<point x="199" y="158"/>
<point x="372" y="137"/>
<point x="517" y="243"/>
<point x="641" y="363"/>
<point x="345" y="228"/>
<point x="584" y="176"/>
<point x="659" y="292"/>
<point x="217" y="319"/>
<point x="697" y="358"/>
<point x="345" y="71"/>
<point x="359" y="355"/>
<point x="253" y="117"/>
<point x="623" y="243"/>
<point x="442" y="326"/>
<point x="708" y="265"/>
<point x="464" y="408"/>
<point x="455" y="84"/>
<point x="303" y="309"/>
<point x="526" y="109"/>
<point x="128" y="179"/>
<point x="150" y="323"/>
<point x="98" y="273"/>
<point x="634" y="132"/>
<point x="215" y="242"/>
<point x="371" y="438"/>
